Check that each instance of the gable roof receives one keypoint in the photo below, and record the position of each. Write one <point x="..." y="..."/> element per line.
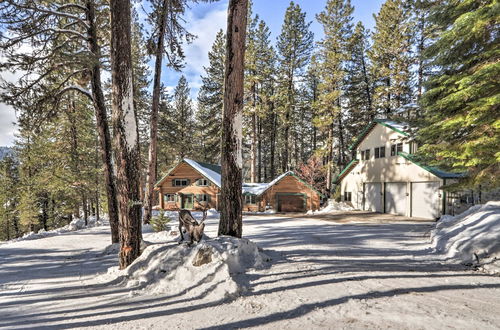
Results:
<point x="434" y="170"/>
<point x="209" y="171"/>
<point x="263" y="189"/>
<point x="400" y="127"/>
<point x="347" y="169"/>
<point x="213" y="173"/>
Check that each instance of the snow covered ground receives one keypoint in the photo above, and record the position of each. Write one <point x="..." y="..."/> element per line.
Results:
<point x="321" y="274"/>
<point x="471" y="238"/>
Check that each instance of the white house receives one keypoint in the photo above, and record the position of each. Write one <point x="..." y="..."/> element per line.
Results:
<point x="383" y="177"/>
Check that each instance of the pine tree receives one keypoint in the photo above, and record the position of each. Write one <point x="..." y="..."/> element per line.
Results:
<point x="125" y="131"/>
<point x="358" y="84"/>
<point x="231" y="154"/>
<point x="461" y="130"/>
<point x="294" y="47"/>
<point x="210" y="98"/>
<point x="183" y="120"/>
<point x="391" y="57"/>
<point x="9" y="198"/>
<point x="333" y="55"/>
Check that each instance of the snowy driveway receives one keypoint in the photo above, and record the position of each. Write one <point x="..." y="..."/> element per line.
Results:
<point x="322" y="275"/>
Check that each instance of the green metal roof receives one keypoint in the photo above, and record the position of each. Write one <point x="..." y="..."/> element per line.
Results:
<point x="395" y="126"/>
<point x="346" y="170"/>
<point x="432" y="169"/>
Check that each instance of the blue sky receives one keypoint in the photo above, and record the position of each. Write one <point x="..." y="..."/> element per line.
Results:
<point x="204" y="20"/>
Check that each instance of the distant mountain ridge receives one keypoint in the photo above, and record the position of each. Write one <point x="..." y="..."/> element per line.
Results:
<point x="6" y="151"/>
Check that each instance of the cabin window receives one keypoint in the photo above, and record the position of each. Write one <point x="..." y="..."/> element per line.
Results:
<point x="180" y="182"/>
<point x="202" y="198"/>
<point x="347" y="196"/>
<point x="250" y="199"/>
<point x="395" y="148"/>
<point x="169" y="198"/>
<point x="380" y="152"/>
<point x="203" y="183"/>
<point x="367" y="154"/>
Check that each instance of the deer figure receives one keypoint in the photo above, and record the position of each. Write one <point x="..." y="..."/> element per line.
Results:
<point x="193" y="228"/>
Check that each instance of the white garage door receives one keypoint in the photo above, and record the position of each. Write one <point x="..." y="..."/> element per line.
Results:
<point x="425" y="200"/>
<point x="373" y="195"/>
<point x="395" y="198"/>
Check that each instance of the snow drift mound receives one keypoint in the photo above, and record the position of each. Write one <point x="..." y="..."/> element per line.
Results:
<point x="472" y="237"/>
<point x="74" y="225"/>
<point x="332" y="207"/>
<point x="207" y="269"/>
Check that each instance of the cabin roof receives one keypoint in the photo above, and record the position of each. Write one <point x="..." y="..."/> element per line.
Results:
<point x="263" y="189"/>
<point x="209" y="171"/>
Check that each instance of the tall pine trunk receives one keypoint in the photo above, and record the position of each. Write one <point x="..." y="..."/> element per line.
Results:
<point x="102" y="123"/>
<point x="253" y="150"/>
<point x="153" y="124"/>
<point x="126" y="134"/>
<point x="232" y="158"/>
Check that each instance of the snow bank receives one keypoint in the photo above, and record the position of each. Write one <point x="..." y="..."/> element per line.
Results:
<point x="209" y="268"/>
<point x="332" y="207"/>
<point x="471" y="238"/>
<point x="74" y="225"/>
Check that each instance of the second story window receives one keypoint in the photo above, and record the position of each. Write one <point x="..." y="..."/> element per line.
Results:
<point x="203" y="183"/>
<point x="380" y="152"/>
<point x="395" y="148"/>
<point x="180" y="182"/>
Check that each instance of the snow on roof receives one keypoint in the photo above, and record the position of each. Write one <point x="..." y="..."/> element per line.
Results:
<point x="254" y="188"/>
<point x="401" y="126"/>
<point x="209" y="171"/>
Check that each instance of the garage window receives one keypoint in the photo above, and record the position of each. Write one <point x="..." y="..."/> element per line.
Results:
<point x="347" y="196"/>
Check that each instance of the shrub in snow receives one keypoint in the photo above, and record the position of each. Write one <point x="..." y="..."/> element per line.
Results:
<point x="472" y="237"/>
<point x="210" y="268"/>
<point x="160" y="221"/>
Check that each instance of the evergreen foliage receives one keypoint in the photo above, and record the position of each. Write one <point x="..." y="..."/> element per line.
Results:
<point x="210" y="97"/>
<point x="294" y="47"/>
<point x="391" y="57"/>
<point x="461" y="128"/>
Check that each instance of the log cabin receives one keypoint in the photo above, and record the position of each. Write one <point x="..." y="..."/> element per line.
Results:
<point x="194" y="185"/>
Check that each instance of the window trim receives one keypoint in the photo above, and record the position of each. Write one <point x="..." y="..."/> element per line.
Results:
<point x="166" y="198"/>
<point x="250" y="197"/>
<point x="199" y="184"/>
<point x="176" y="183"/>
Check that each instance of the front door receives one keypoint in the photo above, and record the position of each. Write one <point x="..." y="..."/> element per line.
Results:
<point x="187" y="202"/>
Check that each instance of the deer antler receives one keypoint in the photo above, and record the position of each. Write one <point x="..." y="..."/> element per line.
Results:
<point x="205" y="209"/>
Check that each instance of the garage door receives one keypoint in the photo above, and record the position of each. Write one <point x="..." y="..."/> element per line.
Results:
<point x="373" y="196"/>
<point x="395" y="198"/>
<point x="291" y="203"/>
<point x="425" y="200"/>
